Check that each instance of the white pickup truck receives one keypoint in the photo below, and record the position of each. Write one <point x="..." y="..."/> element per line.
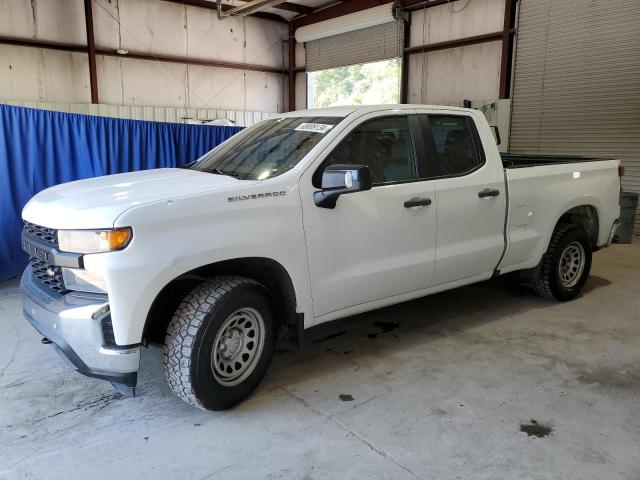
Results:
<point x="298" y="220"/>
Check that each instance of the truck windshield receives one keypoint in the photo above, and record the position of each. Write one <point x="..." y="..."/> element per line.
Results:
<point x="268" y="148"/>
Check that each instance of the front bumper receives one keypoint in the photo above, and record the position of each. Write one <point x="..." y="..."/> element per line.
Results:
<point x="73" y="322"/>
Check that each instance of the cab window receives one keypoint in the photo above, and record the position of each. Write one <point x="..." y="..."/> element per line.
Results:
<point x="383" y="144"/>
<point x="454" y="145"/>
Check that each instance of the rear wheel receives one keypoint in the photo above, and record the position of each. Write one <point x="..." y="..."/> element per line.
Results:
<point x="565" y="266"/>
<point x="219" y="342"/>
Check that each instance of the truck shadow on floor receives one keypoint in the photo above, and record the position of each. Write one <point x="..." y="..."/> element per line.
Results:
<point x="595" y="282"/>
<point x="415" y="323"/>
<point x="388" y="336"/>
<point x="342" y="347"/>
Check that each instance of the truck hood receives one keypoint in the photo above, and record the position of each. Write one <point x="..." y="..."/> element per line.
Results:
<point x="97" y="202"/>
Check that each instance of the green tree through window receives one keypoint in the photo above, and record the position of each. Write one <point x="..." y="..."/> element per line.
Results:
<point x="363" y="84"/>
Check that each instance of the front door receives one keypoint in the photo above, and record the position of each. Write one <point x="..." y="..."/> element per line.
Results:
<point x="371" y="246"/>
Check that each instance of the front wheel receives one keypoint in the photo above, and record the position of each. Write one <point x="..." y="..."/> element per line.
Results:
<point x="564" y="268"/>
<point x="219" y="342"/>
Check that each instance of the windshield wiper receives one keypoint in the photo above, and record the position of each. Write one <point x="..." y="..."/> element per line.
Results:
<point x="189" y="165"/>
<point x="217" y="171"/>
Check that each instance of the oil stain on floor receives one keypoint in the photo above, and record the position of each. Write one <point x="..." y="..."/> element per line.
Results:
<point x="535" y="429"/>
<point x="385" y="327"/>
<point x="329" y="337"/>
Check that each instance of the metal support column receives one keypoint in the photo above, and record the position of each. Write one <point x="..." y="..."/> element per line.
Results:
<point x="91" y="50"/>
<point x="291" y="74"/>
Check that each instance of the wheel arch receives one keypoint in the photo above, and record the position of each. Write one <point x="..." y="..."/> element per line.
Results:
<point x="584" y="216"/>
<point x="268" y="272"/>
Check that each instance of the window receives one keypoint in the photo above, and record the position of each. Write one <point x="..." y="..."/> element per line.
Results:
<point x="383" y="144"/>
<point x="268" y="148"/>
<point x="454" y="144"/>
<point x="372" y="83"/>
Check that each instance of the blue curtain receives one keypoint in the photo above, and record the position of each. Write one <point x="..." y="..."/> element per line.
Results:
<point x="39" y="149"/>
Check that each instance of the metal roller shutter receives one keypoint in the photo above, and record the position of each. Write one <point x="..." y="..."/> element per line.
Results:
<point x="577" y="81"/>
<point x="371" y="44"/>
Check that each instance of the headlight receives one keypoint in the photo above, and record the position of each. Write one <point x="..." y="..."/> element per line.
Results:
<point x="83" y="281"/>
<point x="94" y="241"/>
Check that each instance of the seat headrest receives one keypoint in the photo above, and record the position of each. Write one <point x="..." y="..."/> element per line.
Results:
<point x="456" y="137"/>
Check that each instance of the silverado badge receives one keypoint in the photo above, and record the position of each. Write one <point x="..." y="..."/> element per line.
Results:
<point x="255" y="196"/>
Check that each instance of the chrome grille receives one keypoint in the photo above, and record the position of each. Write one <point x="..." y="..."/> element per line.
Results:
<point x="107" y="332"/>
<point x="48" y="275"/>
<point x="44" y="234"/>
<point x="44" y="273"/>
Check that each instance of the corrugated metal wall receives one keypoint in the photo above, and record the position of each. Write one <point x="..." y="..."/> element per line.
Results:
<point x="154" y="27"/>
<point x="454" y="74"/>
<point x="577" y="81"/>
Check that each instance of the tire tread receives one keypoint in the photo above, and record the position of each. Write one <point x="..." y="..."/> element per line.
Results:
<point x="543" y="273"/>
<point x="184" y="327"/>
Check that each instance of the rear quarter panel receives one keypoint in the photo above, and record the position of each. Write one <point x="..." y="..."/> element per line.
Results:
<point x="540" y="195"/>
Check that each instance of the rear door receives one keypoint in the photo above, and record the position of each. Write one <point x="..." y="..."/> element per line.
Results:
<point x="471" y="198"/>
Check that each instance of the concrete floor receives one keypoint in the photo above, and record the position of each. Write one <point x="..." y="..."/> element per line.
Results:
<point x="438" y="388"/>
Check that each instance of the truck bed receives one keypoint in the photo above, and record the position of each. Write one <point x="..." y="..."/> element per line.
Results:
<point x="510" y="160"/>
<point x="538" y="197"/>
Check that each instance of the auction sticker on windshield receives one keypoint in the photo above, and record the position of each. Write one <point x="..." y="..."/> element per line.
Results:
<point x="314" y="127"/>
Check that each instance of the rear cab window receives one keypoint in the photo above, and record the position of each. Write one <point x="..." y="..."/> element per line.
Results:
<point x="452" y="145"/>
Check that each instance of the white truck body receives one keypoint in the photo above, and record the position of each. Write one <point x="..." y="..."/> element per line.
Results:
<point x="366" y="253"/>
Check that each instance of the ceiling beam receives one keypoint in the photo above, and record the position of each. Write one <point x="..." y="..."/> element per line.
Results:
<point x="70" y="47"/>
<point x="191" y="61"/>
<point x="353" y="6"/>
<point x="30" y="42"/>
<point x="212" y="6"/>
<point x="420" y="4"/>
<point x="459" y="42"/>
<point x="294" y="7"/>
<point x="338" y="10"/>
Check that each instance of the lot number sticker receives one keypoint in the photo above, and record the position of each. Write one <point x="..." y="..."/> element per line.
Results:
<point x="314" y="127"/>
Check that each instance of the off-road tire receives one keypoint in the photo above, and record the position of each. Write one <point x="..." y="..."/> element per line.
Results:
<point x="191" y="334"/>
<point x="545" y="280"/>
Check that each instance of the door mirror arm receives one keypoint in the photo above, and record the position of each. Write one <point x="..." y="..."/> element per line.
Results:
<point x="341" y="179"/>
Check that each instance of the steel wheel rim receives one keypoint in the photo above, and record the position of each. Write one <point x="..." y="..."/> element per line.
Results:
<point x="237" y="347"/>
<point x="571" y="264"/>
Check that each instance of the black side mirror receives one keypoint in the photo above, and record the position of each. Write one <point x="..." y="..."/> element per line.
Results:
<point x="496" y="134"/>
<point x="340" y="179"/>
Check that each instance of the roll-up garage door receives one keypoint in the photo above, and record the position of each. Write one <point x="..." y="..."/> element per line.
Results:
<point x="370" y="44"/>
<point x="366" y="36"/>
<point x="576" y="88"/>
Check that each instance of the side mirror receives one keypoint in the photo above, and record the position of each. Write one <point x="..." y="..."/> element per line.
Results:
<point x="496" y="134"/>
<point x="341" y="179"/>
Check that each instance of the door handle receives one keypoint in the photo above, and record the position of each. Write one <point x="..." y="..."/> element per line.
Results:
<point x="488" y="192"/>
<point x="417" y="202"/>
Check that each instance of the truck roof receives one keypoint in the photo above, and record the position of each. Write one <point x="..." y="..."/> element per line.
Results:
<point x="343" y="111"/>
